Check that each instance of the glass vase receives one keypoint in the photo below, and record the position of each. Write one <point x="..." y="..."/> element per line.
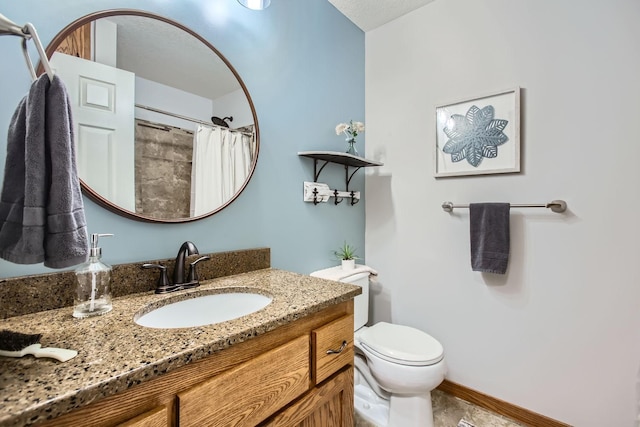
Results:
<point x="351" y="146"/>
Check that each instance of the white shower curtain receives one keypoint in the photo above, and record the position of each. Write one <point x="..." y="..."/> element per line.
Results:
<point x="220" y="165"/>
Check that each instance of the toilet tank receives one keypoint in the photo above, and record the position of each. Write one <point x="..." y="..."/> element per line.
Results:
<point x="361" y="302"/>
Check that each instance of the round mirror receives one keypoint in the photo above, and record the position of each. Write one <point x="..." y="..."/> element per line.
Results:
<point x="165" y="128"/>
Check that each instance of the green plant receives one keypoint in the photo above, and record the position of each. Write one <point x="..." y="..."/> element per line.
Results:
<point x="346" y="252"/>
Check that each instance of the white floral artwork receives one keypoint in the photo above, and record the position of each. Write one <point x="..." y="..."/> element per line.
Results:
<point x="479" y="136"/>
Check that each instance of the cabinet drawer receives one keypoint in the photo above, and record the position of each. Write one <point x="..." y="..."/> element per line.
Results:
<point x="329" y="351"/>
<point x="251" y="392"/>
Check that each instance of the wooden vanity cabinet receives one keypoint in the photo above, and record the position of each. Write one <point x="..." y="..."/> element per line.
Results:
<point x="296" y="375"/>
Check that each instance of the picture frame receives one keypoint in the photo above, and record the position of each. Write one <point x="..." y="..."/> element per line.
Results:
<point x="478" y="136"/>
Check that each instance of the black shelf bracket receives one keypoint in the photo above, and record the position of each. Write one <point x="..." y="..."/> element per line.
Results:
<point x="347" y="176"/>
<point x="316" y="171"/>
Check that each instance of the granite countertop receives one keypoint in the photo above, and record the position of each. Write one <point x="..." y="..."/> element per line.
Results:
<point x="115" y="353"/>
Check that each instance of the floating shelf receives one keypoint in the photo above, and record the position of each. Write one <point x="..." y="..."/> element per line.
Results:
<point x="340" y="158"/>
<point x="348" y="160"/>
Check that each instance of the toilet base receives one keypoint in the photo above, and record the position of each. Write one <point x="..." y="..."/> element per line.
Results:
<point x="399" y="411"/>
<point x="413" y="410"/>
<point x="370" y="406"/>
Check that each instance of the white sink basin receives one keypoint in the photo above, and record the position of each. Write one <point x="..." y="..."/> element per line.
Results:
<point x="203" y="310"/>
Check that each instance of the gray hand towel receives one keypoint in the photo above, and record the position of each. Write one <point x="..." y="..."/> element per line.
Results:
<point x="41" y="209"/>
<point x="489" y="231"/>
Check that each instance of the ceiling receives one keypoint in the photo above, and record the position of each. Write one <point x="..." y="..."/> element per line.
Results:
<point x="370" y="14"/>
<point x="139" y="53"/>
<point x="192" y="66"/>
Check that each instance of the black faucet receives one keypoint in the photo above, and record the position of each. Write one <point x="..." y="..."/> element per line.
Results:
<point x="187" y="248"/>
<point x="179" y="282"/>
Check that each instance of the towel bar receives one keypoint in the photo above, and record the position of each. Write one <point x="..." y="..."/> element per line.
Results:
<point x="557" y="206"/>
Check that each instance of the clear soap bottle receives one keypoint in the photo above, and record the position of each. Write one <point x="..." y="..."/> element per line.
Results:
<point x="93" y="292"/>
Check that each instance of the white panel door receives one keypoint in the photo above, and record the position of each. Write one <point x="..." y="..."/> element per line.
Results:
<point x="102" y="100"/>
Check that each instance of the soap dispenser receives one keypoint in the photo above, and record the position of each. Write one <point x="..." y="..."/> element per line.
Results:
<point x="93" y="293"/>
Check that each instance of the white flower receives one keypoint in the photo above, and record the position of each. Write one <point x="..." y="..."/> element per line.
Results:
<point x="341" y="128"/>
<point x="351" y="129"/>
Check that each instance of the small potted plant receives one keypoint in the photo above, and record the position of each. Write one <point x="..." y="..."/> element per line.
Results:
<point x="347" y="254"/>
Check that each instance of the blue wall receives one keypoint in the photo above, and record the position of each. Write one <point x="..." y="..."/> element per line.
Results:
<point x="303" y="64"/>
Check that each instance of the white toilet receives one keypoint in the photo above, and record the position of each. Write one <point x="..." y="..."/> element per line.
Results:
<point x="396" y="366"/>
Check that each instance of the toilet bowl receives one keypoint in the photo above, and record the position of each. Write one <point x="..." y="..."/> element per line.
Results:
<point x="403" y="360"/>
<point x="396" y="366"/>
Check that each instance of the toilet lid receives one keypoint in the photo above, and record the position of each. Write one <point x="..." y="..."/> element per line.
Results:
<point x="402" y="344"/>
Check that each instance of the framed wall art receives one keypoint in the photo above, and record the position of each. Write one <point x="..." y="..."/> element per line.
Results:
<point x="479" y="135"/>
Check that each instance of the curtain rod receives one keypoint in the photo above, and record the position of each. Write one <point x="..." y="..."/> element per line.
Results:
<point x="557" y="206"/>
<point x="189" y="119"/>
<point x="167" y="113"/>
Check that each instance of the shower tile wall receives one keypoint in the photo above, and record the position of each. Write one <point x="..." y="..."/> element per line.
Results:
<point x="163" y="171"/>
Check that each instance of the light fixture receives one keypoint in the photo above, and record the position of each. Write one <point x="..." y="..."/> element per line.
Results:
<point x="255" y="4"/>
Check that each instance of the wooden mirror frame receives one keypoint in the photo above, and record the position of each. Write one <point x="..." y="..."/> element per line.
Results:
<point x="87" y="190"/>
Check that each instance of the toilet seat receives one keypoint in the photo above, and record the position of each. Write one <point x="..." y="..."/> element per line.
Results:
<point x="401" y="344"/>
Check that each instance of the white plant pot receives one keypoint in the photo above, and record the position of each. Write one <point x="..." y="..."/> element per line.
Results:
<point x="348" y="264"/>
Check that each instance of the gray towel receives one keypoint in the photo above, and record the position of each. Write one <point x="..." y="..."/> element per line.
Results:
<point x="489" y="230"/>
<point x="41" y="209"/>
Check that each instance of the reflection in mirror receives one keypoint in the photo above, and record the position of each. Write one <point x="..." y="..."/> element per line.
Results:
<point x="166" y="130"/>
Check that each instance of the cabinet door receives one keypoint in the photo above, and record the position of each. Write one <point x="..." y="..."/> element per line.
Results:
<point x="329" y="405"/>
<point x="157" y="417"/>
<point x="251" y="392"/>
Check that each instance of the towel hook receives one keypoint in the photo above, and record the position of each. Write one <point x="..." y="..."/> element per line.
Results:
<point x="25" y="52"/>
<point x="336" y="199"/>
<point x="31" y="30"/>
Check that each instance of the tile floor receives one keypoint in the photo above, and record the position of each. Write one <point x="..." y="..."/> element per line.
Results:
<point x="449" y="410"/>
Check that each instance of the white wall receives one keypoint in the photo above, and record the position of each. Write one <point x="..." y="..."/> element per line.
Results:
<point x="176" y="101"/>
<point x="105" y="42"/>
<point x="233" y="104"/>
<point x="559" y="334"/>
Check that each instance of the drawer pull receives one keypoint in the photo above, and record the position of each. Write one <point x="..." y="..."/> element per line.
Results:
<point x="338" y="351"/>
